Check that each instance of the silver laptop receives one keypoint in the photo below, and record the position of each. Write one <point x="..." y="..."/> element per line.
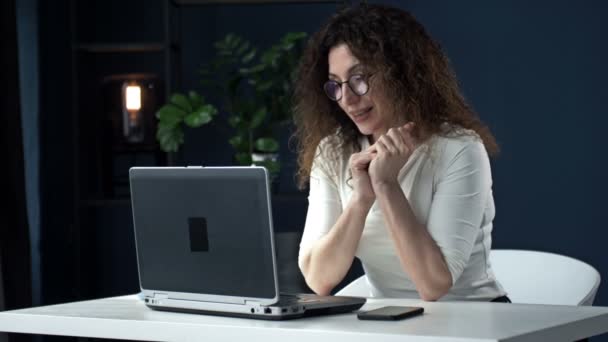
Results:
<point x="205" y="244"/>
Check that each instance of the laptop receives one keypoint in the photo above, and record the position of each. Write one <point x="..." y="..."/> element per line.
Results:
<point x="205" y="244"/>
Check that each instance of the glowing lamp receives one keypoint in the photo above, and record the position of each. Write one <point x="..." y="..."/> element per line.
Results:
<point x="132" y="116"/>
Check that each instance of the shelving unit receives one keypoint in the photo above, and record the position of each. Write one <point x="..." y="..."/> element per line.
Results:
<point x="112" y="37"/>
<point x="103" y="233"/>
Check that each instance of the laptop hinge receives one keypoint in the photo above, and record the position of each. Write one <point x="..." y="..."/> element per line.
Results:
<point x="160" y="295"/>
<point x="252" y="302"/>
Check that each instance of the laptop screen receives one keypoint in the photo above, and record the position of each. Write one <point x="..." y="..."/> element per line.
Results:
<point x="203" y="230"/>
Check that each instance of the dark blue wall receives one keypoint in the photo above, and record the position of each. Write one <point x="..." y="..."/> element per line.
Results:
<point x="536" y="73"/>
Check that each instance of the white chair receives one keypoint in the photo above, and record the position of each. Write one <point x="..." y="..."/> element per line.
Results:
<point x="529" y="277"/>
<point x="534" y="277"/>
<point x="356" y="288"/>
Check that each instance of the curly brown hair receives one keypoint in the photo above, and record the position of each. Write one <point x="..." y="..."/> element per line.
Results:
<point x="416" y="78"/>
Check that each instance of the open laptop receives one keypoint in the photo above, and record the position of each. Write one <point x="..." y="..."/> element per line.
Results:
<point x="205" y="244"/>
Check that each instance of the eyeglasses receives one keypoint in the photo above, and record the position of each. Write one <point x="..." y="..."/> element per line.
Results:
<point x="357" y="83"/>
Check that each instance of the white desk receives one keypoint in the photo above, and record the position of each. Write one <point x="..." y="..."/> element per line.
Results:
<point x="128" y="318"/>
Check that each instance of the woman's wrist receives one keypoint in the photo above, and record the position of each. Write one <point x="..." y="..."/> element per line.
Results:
<point x="365" y="202"/>
<point x="383" y="186"/>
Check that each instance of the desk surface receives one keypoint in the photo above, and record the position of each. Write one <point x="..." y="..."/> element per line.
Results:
<point x="128" y="318"/>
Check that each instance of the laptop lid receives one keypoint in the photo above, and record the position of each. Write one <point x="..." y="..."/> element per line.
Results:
<point x="204" y="233"/>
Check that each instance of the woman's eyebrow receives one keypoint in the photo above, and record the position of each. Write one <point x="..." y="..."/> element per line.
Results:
<point x="350" y="70"/>
<point x="356" y="67"/>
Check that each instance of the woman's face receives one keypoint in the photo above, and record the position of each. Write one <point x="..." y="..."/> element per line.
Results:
<point x="368" y="111"/>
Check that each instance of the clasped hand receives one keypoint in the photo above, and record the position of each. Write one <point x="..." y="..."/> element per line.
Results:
<point x="380" y="163"/>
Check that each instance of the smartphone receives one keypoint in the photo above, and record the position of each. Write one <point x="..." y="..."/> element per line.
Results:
<point x="391" y="313"/>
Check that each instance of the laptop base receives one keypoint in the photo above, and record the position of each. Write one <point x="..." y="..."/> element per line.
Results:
<point x="287" y="316"/>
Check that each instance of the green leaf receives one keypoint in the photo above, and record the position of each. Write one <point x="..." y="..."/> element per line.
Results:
<point x="240" y="143"/>
<point x="249" y="56"/>
<point x="268" y="145"/>
<point x="201" y="116"/>
<point x="269" y="57"/>
<point x="233" y="41"/>
<point x="243" y="48"/>
<point x="287" y="46"/>
<point x="243" y="158"/>
<point x="264" y="86"/>
<point x="234" y="120"/>
<point x="239" y="121"/>
<point x="273" y="166"/>
<point x="236" y="141"/>
<point x="293" y="36"/>
<point x="257" y="68"/>
<point x="181" y="101"/>
<point x="169" y="115"/>
<point x="258" y="118"/>
<point x="196" y="100"/>
<point x="169" y="138"/>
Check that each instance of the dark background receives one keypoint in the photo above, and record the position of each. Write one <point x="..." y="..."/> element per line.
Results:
<point x="535" y="71"/>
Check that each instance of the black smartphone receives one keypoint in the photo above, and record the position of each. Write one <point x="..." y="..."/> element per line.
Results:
<point x="391" y="313"/>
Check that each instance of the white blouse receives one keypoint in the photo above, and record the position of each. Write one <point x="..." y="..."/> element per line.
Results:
<point x="448" y="184"/>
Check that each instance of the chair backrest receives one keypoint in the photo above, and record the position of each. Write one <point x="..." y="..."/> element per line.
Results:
<point x="544" y="278"/>
<point x="528" y="277"/>
<point x="356" y="288"/>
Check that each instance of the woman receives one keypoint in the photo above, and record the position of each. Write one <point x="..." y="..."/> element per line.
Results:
<point x="397" y="163"/>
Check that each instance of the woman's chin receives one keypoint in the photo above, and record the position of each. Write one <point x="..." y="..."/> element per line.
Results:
<point x="364" y="129"/>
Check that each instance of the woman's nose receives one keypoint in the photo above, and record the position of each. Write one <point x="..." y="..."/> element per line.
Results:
<point x="348" y="96"/>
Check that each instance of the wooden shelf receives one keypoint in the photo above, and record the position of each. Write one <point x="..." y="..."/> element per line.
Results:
<point x="120" y="48"/>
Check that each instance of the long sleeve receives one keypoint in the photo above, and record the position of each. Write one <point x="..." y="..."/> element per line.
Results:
<point x="459" y="202"/>
<point x="324" y="206"/>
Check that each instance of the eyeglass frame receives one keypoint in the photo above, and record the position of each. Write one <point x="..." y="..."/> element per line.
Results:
<point x="365" y="77"/>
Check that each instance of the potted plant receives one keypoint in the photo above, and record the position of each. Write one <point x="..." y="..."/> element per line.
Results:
<point x="256" y="90"/>
<point x="272" y="80"/>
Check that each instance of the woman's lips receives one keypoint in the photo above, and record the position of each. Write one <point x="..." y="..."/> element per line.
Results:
<point x="362" y="116"/>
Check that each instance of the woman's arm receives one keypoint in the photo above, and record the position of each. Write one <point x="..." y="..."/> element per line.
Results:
<point x="326" y="263"/>
<point x="420" y="256"/>
<point x="418" y="253"/>
<point x="331" y="235"/>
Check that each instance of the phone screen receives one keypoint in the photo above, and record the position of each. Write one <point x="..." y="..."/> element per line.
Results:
<point x="391" y="313"/>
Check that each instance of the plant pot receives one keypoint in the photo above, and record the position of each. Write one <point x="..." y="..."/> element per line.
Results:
<point x="261" y="158"/>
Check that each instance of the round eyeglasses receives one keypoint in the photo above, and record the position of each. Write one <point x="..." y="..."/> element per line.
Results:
<point x="357" y="83"/>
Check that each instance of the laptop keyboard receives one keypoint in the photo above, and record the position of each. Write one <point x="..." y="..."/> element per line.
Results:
<point x="290" y="299"/>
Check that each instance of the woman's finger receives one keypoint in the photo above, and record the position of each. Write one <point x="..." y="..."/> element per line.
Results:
<point x="361" y="160"/>
<point x="372" y="149"/>
<point x="406" y="133"/>
<point x="381" y="146"/>
<point x="389" y="144"/>
<point x="397" y="138"/>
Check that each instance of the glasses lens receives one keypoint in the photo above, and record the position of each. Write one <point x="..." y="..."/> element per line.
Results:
<point x="333" y="90"/>
<point x="358" y="84"/>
